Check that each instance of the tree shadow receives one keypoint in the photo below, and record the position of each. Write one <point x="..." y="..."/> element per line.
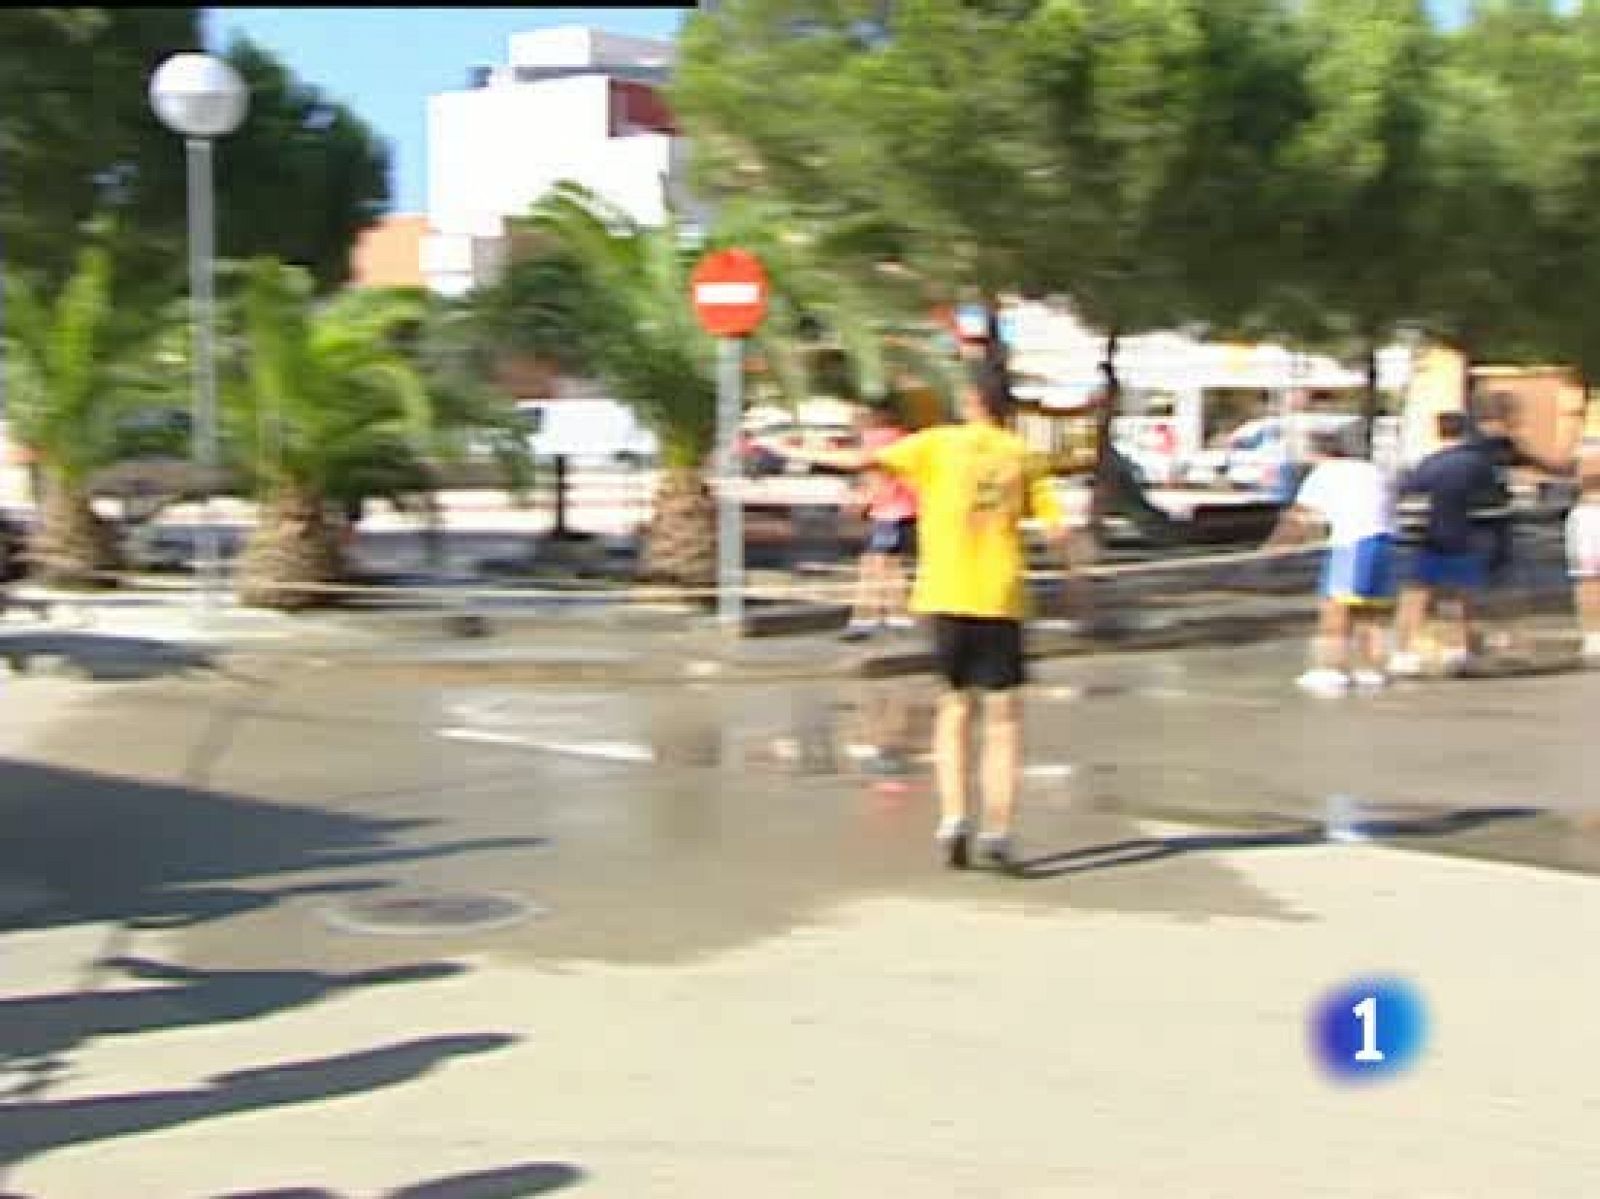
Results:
<point x="509" y="1182"/>
<point x="1141" y="850"/>
<point x="32" y="1127"/>
<point x="94" y="847"/>
<point x="38" y="1031"/>
<point x="101" y="657"/>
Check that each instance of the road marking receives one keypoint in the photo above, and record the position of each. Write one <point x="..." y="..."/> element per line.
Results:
<point x="606" y="751"/>
<point x="1049" y="770"/>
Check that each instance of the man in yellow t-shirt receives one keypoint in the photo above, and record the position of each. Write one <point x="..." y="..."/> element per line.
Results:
<point x="975" y="485"/>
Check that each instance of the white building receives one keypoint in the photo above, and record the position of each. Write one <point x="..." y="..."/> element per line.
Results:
<point x="571" y="104"/>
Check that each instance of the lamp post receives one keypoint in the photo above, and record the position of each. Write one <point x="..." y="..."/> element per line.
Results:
<point x="201" y="98"/>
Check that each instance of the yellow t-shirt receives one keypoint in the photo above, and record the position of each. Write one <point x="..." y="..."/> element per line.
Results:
<point x="975" y="485"/>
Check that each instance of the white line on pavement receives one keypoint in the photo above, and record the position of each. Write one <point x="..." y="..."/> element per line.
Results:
<point x="608" y="751"/>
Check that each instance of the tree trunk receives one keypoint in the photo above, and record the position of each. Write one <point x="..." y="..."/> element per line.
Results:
<point x="1371" y="398"/>
<point x="293" y="544"/>
<point x="680" y="541"/>
<point x="1110" y="401"/>
<point x="73" y="546"/>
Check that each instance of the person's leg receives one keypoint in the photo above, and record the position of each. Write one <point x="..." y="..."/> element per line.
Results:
<point x="1330" y="662"/>
<point x="877" y="574"/>
<point x="1589" y="614"/>
<point x="1333" y="636"/>
<point x="1371" y="646"/>
<point x="1583" y="561"/>
<point x="896" y="589"/>
<point x="863" y="617"/>
<point x="1411" y="613"/>
<point x="952" y="733"/>
<point x="1458" y="610"/>
<point x="1002" y="763"/>
<point x="998" y="668"/>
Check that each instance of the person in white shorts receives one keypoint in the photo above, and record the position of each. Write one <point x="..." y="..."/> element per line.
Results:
<point x="1350" y="498"/>
<point x="1583" y="547"/>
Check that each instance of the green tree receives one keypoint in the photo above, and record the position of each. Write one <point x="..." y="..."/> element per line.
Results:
<point x="1528" y="62"/>
<point x="1361" y="173"/>
<point x="326" y="413"/>
<point x="301" y="177"/>
<point x="903" y="132"/>
<point x="78" y="139"/>
<point x="639" y="335"/>
<point x="298" y="180"/>
<point x="64" y="357"/>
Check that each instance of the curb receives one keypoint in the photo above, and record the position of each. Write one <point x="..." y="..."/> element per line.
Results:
<point x="710" y="666"/>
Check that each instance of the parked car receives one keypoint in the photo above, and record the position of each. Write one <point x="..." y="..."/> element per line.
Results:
<point x="1150" y="443"/>
<point x="764" y="447"/>
<point x="1251" y="457"/>
<point x="588" y="432"/>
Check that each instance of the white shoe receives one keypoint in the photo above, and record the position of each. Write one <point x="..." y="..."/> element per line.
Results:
<point x="1406" y="665"/>
<point x="1370" y="680"/>
<point x="1591" y="647"/>
<point x="901" y="623"/>
<point x="1457" y="661"/>
<point x="1324" y="682"/>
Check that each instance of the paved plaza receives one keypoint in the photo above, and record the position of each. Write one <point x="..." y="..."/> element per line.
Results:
<point x="292" y="929"/>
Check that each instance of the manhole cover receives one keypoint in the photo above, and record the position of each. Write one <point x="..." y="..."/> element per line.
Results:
<point x="430" y="914"/>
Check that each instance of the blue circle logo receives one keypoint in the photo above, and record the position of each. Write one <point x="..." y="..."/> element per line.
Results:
<point x="1368" y="1029"/>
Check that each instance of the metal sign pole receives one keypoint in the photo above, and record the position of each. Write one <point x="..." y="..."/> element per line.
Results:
<point x="730" y="503"/>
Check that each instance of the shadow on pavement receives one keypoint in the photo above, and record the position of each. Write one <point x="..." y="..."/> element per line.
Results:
<point x="30" y="1128"/>
<point x="510" y="1182"/>
<point x="82" y="846"/>
<point x="100" y="657"/>
<point x="1136" y="851"/>
<point x="38" y="1031"/>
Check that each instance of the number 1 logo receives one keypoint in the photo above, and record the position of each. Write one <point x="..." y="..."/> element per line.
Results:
<point x="1368" y="1029"/>
<point x="1367" y="1012"/>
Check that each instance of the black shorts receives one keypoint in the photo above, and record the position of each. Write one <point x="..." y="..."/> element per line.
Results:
<point x="979" y="652"/>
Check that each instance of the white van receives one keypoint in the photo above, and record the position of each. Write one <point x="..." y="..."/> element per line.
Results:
<point x="588" y="432"/>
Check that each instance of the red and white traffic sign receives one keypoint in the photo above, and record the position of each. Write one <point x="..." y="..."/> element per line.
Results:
<point x="729" y="289"/>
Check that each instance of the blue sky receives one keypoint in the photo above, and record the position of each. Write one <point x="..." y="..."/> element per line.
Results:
<point x="385" y="62"/>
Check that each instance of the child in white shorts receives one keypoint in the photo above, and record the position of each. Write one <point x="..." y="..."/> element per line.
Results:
<point x="1583" y="548"/>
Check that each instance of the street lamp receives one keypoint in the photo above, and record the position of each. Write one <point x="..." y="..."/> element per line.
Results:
<point x="201" y="98"/>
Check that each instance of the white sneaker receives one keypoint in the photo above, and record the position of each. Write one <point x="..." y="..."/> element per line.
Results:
<point x="901" y="623"/>
<point x="1591" y="647"/>
<point x="1457" y="661"/>
<point x="1324" y="682"/>
<point x="1370" y="680"/>
<point x="1406" y="665"/>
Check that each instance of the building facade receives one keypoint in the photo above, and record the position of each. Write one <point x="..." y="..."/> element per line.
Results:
<point x="389" y="252"/>
<point x="571" y="104"/>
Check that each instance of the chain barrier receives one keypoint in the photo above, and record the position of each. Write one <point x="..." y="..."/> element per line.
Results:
<point x="622" y="592"/>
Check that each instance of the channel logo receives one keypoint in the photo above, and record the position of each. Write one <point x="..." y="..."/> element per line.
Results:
<point x="1368" y="1029"/>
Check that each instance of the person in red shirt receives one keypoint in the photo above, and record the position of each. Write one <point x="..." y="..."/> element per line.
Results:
<point x="891" y="510"/>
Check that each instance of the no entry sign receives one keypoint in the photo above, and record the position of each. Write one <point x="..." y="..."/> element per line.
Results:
<point x="729" y="289"/>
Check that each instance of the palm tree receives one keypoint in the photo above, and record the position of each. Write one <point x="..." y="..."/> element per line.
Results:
<point x="829" y="302"/>
<point x="328" y="412"/>
<point x="334" y="403"/>
<point x="640" y="336"/>
<point x="638" y="332"/>
<point x="67" y="359"/>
